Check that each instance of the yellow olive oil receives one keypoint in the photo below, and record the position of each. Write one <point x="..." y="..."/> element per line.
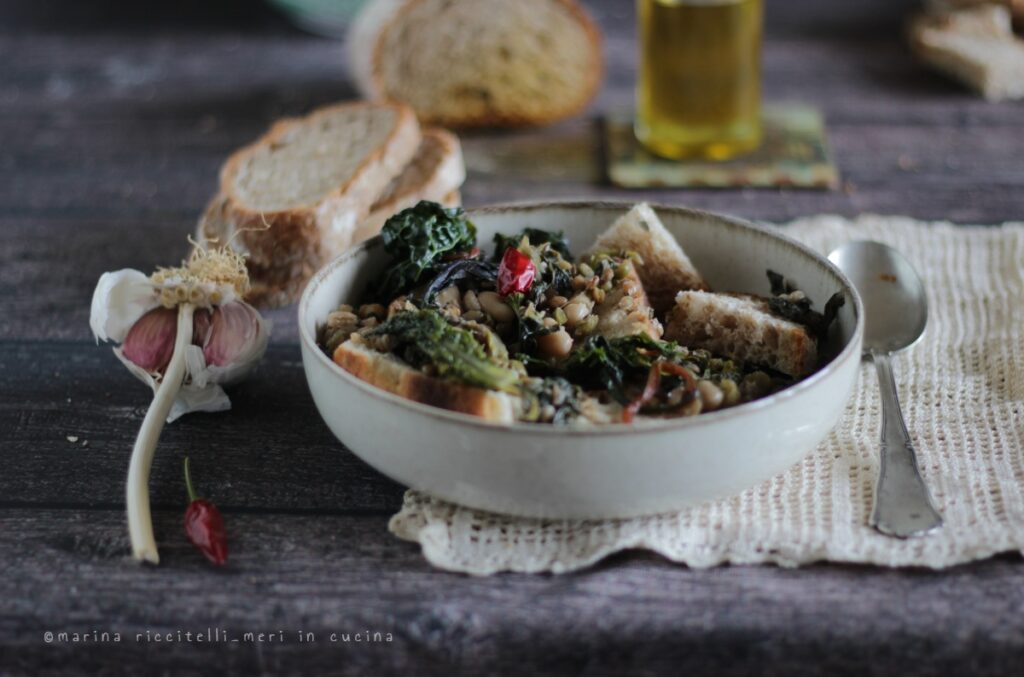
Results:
<point x="699" y="80"/>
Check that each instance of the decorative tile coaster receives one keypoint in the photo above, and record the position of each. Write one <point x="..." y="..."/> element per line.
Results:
<point x="794" y="154"/>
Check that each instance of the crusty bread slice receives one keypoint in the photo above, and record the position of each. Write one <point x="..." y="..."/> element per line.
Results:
<point x="741" y="328"/>
<point x="666" y="269"/>
<point x="435" y="174"/>
<point x="478" y="62"/>
<point x="625" y="310"/>
<point x="292" y="200"/>
<point x="389" y="373"/>
<point x="976" y="46"/>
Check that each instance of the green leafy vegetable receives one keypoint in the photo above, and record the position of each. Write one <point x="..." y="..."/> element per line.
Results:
<point x="553" y="278"/>
<point x="536" y="236"/>
<point x="789" y="303"/>
<point x="709" y="367"/>
<point x="780" y="284"/>
<point x="537" y="366"/>
<point x="612" y="365"/>
<point x="424" y="337"/>
<point x="459" y="271"/>
<point x="528" y="326"/>
<point x="418" y="239"/>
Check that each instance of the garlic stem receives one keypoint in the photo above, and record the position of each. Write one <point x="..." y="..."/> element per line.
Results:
<point x="140" y="523"/>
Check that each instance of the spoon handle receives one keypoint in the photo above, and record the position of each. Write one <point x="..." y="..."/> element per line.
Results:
<point x="902" y="507"/>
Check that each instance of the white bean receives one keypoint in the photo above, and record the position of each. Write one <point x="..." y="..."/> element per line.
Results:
<point x="555" y="344"/>
<point x="575" y="313"/>
<point x="449" y="296"/>
<point x="711" y="395"/>
<point x="495" y="306"/>
<point x="470" y="300"/>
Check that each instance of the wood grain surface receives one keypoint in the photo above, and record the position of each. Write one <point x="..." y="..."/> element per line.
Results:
<point x="114" y="119"/>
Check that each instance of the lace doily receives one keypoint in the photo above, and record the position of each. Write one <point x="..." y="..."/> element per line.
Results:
<point x="962" y="390"/>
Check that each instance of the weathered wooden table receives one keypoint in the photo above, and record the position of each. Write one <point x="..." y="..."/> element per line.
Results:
<point x="114" y="118"/>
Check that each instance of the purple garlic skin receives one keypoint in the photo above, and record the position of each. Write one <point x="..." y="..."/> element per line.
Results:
<point x="150" y="342"/>
<point x="201" y="327"/>
<point x="233" y="335"/>
<point x="230" y="334"/>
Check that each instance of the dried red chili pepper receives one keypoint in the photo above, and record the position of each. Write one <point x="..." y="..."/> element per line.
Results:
<point x="204" y="525"/>
<point x="516" y="272"/>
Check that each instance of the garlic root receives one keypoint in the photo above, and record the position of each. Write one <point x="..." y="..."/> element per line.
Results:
<point x="140" y="522"/>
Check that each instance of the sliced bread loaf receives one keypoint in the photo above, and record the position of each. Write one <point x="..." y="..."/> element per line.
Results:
<point x="741" y="328"/>
<point x="435" y="174"/>
<point x="293" y="199"/>
<point x="666" y="269"/>
<point x="478" y="62"/>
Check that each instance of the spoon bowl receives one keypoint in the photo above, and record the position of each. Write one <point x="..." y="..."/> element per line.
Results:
<point x="895" y="303"/>
<point x="895" y="316"/>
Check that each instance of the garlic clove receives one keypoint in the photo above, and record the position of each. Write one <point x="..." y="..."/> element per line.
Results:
<point x="150" y="342"/>
<point x="236" y="335"/>
<point x="243" y="357"/>
<point x="120" y="299"/>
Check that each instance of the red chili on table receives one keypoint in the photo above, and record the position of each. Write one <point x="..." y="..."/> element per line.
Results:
<point x="516" y="272"/>
<point x="204" y="525"/>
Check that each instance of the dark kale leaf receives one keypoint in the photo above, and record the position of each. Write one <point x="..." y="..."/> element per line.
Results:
<point x="536" y="236"/>
<point x="537" y="366"/>
<point x="458" y="271"/>
<point x="552" y="277"/>
<point x="800" y="310"/>
<point x="832" y="306"/>
<point x="780" y="285"/>
<point x="613" y="365"/>
<point x="642" y="350"/>
<point x="417" y="239"/>
<point x="424" y="337"/>
<point x="528" y="325"/>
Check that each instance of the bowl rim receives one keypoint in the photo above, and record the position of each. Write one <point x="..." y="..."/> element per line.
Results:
<point x="850" y="351"/>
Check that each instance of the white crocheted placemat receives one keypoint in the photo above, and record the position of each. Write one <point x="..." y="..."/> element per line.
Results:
<point x="962" y="389"/>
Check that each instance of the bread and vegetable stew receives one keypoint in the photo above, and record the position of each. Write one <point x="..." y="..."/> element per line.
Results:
<point x="624" y="330"/>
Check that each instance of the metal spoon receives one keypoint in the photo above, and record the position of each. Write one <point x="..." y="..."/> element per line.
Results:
<point x="896" y="312"/>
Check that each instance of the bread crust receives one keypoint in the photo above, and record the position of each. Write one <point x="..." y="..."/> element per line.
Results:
<point x="367" y="34"/>
<point x="440" y="183"/>
<point x="285" y="247"/>
<point x="388" y="373"/>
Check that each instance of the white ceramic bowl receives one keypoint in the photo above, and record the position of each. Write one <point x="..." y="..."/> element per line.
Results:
<point x="611" y="471"/>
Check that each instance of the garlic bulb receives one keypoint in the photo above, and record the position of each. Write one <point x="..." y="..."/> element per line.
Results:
<point x="186" y="332"/>
<point x="136" y="310"/>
